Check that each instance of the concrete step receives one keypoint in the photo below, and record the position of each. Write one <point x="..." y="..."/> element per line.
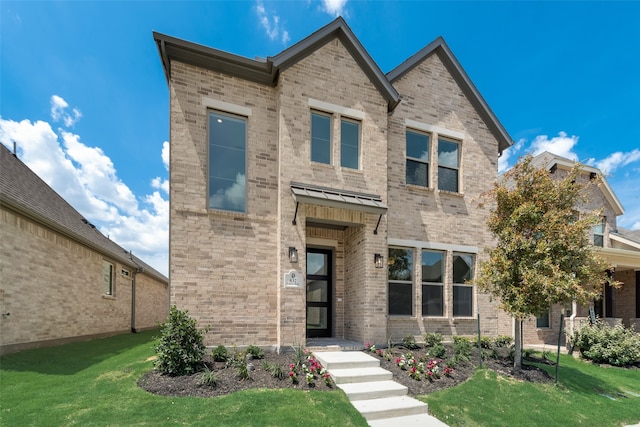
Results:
<point x="359" y="375"/>
<point x="420" y="420"/>
<point x="345" y="359"/>
<point x="388" y="407"/>
<point x="373" y="390"/>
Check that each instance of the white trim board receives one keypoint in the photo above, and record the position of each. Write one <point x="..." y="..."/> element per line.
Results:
<point x="433" y="245"/>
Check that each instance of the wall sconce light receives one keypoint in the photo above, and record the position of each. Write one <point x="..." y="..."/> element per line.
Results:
<point x="293" y="254"/>
<point x="378" y="260"/>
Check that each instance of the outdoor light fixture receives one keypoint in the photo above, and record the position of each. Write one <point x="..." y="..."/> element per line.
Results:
<point x="378" y="260"/>
<point x="293" y="254"/>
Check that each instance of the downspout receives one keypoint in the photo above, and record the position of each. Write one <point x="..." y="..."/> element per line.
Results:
<point x="140" y="269"/>
<point x="572" y="321"/>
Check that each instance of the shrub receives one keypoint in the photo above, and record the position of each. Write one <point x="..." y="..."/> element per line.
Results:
<point x="409" y="342"/>
<point x="219" y="354"/>
<point x="437" y="351"/>
<point x="486" y="342"/>
<point x="181" y="346"/>
<point x="601" y="343"/>
<point x="503" y="341"/>
<point x="462" y="347"/>
<point x="432" y="339"/>
<point x="255" y="351"/>
<point x="208" y="378"/>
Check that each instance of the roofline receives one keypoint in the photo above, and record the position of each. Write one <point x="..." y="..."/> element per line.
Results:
<point x="619" y="257"/>
<point x="340" y="29"/>
<point x="440" y="47"/>
<point x="18" y="208"/>
<point x="617" y="237"/>
<point x="567" y="164"/>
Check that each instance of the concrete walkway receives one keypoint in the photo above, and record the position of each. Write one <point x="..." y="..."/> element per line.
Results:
<point x="372" y="391"/>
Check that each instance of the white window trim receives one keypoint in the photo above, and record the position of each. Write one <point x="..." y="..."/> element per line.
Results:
<point x="441" y="284"/>
<point x="428" y="162"/>
<point x="444" y="132"/>
<point x="337" y="109"/>
<point x="227" y="107"/>
<point x="403" y="243"/>
<point x="474" y="301"/>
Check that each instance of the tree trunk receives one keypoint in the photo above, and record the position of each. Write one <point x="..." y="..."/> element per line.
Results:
<point x="517" y="358"/>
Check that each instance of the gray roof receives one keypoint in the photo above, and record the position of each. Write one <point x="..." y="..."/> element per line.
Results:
<point x="23" y="191"/>
<point x="440" y="47"/>
<point x="633" y="235"/>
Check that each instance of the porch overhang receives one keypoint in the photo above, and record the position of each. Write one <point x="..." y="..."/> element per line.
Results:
<point x="335" y="198"/>
<point x="620" y="258"/>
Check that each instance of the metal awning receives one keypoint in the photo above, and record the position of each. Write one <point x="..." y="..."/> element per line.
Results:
<point x="324" y="196"/>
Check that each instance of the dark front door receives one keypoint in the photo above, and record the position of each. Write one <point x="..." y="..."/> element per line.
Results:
<point x="319" y="274"/>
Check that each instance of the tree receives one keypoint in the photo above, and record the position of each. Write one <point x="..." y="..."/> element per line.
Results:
<point x="543" y="255"/>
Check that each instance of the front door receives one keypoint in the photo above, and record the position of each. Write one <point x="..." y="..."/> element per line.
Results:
<point x="319" y="274"/>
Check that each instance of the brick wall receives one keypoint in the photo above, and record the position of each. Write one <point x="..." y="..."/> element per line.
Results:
<point x="52" y="289"/>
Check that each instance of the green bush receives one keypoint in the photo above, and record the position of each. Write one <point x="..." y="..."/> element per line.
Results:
<point x="219" y="354"/>
<point x="503" y="341"/>
<point x="409" y="342"/>
<point x="208" y="378"/>
<point x="437" y="351"/>
<point x="255" y="351"/>
<point x="601" y="343"/>
<point x="486" y="342"/>
<point x="181" y="346"/>
<point x="462" y="347"/>
<point x="432" y="339"/>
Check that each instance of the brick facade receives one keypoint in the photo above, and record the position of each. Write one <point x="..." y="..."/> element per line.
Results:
<point x="227" y="268"/>
<point x="52" y="289"/>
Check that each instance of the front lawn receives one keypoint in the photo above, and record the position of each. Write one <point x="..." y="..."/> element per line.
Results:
<point x="94" y="383"/>
<point x="587" y="395"/>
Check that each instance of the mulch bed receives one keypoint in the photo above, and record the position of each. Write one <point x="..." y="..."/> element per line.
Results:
<point x="228" y="382"/>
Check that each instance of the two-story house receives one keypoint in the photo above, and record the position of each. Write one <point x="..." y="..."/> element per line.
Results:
<point x="312" y="195"/>
<point x="619" y="247"/>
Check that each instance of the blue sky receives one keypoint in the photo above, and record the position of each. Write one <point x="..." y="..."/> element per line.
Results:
<point x="83" y="94"/>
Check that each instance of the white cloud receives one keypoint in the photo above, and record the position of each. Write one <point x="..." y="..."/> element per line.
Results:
<point x="165" y="154"/>
<point x="334" y="7"/>
<point x="59" y="112"/>
<point x="509" y="153"/>
<point x="87" y="179"/>
<point x="561" y="145"/>
<point x="615" y="160"/>
<point x="234" y="196"/>
<point x="271" y="23"/>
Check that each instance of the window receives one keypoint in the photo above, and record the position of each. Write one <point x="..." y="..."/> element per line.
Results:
<point x="400" y="281"/>
<point x="107" y="278"/>
<point x="598" y="234"/>
<point x="349" y="143"/>
<point x="320" y="138"/>
<point x="417" y="158"/>
<point x="227" y="162"/>
<point x="448" y="165"/>
<point x="462" y="293"/>
<point x="432" y="283"/>
<point x="543" y="321"/>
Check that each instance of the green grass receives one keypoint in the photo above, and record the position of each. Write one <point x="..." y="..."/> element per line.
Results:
<point x="586" y="395"/>
<point x="94" y="383"/>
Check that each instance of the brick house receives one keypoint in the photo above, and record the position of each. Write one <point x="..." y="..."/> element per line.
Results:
<point x="618" y="246"/>
<point x="62" y="280"/>
<point x="312" y="195"/>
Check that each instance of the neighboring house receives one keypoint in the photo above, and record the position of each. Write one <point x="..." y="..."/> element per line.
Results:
<point x="62" y="280"/>
<point x="619" y="247"/>
<point x="314" y="196"/>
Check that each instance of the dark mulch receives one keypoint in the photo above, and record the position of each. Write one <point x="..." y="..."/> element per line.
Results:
<point x="227" y="381"/>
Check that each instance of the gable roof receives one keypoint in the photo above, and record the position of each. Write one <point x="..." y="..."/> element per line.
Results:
<point x="440" y="48"/>
<point x="23" y="191"/>
<point x="549" y="160"/>
<point x="267" y="71"/>
<point x="627" y="237"/>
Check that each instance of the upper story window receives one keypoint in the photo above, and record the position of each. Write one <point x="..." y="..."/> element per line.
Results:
<point x="417" y="169"/>
<point x="432" y="283"/>
<point x="462" y="291"/>
<point x="320" y="138"/>
<point x="349" y="143"/>
<point x="400" y="281"/>
<point x="598" y="234"/>
<point x="108" y="279"/>
<point x="227" y="162"/>
<point x="448" y="165"/>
